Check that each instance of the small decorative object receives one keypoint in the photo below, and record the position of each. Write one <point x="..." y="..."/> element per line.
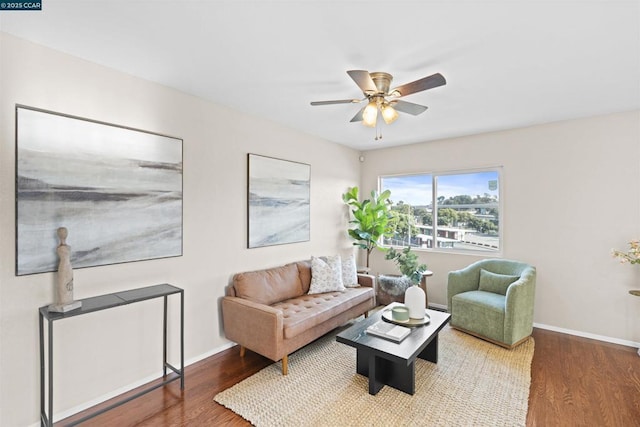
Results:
<point x="414" y="297"/>
<point x="400" y="314"/>
<point x="387" y="316"/>
<point x="64" y="283"/>
<point x="388" y="331"/>
<point x="416" y="300"/>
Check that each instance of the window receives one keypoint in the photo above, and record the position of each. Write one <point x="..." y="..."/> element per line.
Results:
<point x="459" y="211"/>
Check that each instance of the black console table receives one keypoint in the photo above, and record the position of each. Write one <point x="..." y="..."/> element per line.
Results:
<point x="103" y="302"/>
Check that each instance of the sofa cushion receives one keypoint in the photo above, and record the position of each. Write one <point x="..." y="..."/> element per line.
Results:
<point x="269" y="286"/>
<point x="349" y="272"/>
<point x="494" y="282"/>
<point x="326" y="276"/>
<point x="481" y="312"/>
<point x="307" y="311"/>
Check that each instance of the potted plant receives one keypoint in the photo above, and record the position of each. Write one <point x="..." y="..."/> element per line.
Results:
<point x="632" y="256"/>
<point x="414" y="298"/>
<point x="407" y="262"/>
<point x="371" y="218"/>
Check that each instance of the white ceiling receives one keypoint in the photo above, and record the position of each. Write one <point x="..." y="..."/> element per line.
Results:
<point x="508" y="63"/>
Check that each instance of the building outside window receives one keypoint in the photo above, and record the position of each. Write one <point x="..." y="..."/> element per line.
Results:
<point x="457" y="211"/>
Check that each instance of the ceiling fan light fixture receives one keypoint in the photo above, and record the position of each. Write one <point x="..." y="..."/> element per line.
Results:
<point x="389" y="114"/>
<point x="370" y="114"/>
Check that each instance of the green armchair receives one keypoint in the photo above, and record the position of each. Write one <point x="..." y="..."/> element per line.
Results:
<point x="493" y="300"/>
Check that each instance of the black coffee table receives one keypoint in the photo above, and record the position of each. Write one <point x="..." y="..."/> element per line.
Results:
<point x="388" y="363"/>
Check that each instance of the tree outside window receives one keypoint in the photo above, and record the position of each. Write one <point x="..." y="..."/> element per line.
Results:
<point x="466" y="207"/>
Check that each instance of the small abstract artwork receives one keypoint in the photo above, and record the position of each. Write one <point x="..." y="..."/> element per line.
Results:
<point x="118" y="191"/>
<point x="278" y="201"/>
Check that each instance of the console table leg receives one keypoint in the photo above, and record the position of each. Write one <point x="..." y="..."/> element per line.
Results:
<point x="182" y="340"/>
<point x="50" y="373"/>
<point x="164" y="339"/>
<point x="41" y="335"/>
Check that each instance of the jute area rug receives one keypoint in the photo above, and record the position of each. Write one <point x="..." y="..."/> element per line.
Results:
<point x="474" y="383"/>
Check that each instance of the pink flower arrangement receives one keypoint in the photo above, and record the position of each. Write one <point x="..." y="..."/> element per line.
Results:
<point x="632" y="256"/>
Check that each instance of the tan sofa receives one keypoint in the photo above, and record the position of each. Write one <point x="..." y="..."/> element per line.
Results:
<point x="270" y="311"/>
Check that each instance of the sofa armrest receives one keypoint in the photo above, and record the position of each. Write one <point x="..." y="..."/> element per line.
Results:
<point x="255" y="326"/>
<point x="464" y="280"/>
<point x="367" y="280"/>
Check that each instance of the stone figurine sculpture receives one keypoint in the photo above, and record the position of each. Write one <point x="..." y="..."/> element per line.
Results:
<point x="64" y="280"/>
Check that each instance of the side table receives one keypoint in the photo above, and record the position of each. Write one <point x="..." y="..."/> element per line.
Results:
<point x="636" y="292"/>
<point x="98" y="303"/>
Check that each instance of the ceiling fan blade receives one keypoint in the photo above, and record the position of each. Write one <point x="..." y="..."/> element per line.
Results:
<point x="424" y="83"/>
<point x="358" y="117"/>
<point x="408" y="107"/>
<point x="337" y="101"/>
<point x="363" y="80"/>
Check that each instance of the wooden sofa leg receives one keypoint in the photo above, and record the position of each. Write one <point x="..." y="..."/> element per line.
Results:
<point x="242" y="351"/>
<point x="285" y="365"/>
<point x="366" y="314"/>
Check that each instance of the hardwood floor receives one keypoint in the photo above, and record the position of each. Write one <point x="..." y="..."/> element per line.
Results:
<point x="580" y="382"/>
<point x="574" y="382"/>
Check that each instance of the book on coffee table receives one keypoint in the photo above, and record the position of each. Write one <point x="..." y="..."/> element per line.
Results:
<point x="388" y="331"/>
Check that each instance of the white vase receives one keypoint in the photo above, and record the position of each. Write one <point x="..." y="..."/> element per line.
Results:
<point x="415" y="299"/>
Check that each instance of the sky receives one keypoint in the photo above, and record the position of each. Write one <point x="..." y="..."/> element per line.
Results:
<point x="416" y="189"/>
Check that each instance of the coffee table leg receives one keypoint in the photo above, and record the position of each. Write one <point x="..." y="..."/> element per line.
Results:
<point x="383" y="372"/>
<point x="401" y="377"/>
<point x="430" y="352"/>
<point x="369" y="366"/>
<point x="375" y="371"/>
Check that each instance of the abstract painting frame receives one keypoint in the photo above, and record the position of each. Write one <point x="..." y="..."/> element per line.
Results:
<point x="117" y="189"/>
<point x="278" y="201"/>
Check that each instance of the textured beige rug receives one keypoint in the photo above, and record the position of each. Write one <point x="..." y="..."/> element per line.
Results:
<point x="474" y="383"/>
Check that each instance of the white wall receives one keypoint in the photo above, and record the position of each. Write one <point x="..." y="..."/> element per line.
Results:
<point x="571" y="193"/>
<point x="99" y="353"/>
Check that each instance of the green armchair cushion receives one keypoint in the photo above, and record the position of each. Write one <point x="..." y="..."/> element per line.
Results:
<point x="494" y="282"/>
<point x="481" y="311"/>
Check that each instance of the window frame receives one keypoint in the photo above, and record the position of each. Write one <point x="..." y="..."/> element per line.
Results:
<point x="434" y="194"/>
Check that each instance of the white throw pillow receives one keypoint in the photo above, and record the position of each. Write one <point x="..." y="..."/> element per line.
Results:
<point x="326" y="276"/>
<point x="350" y="272"/>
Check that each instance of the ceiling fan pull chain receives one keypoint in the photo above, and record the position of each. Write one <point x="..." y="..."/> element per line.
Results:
<point x="378" y="133"/>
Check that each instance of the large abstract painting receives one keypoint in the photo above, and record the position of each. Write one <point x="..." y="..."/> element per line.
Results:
<point x="278" y="201"/>
<point x="117" y="190"/>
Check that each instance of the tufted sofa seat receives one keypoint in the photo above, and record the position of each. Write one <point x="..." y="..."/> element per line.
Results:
<point x="271" y="312"/>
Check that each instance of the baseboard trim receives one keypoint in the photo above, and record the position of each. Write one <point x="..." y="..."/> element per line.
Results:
<point x="438" y="307"/>
<point x="603" y="338"/>
<point x="587" y="335"/>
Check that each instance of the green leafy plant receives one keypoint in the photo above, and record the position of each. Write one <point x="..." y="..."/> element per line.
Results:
<point x="371" y="218"/>
<point x="407" y="262"/>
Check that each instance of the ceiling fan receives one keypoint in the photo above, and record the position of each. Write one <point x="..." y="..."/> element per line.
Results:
<point x="375" y="87"/>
